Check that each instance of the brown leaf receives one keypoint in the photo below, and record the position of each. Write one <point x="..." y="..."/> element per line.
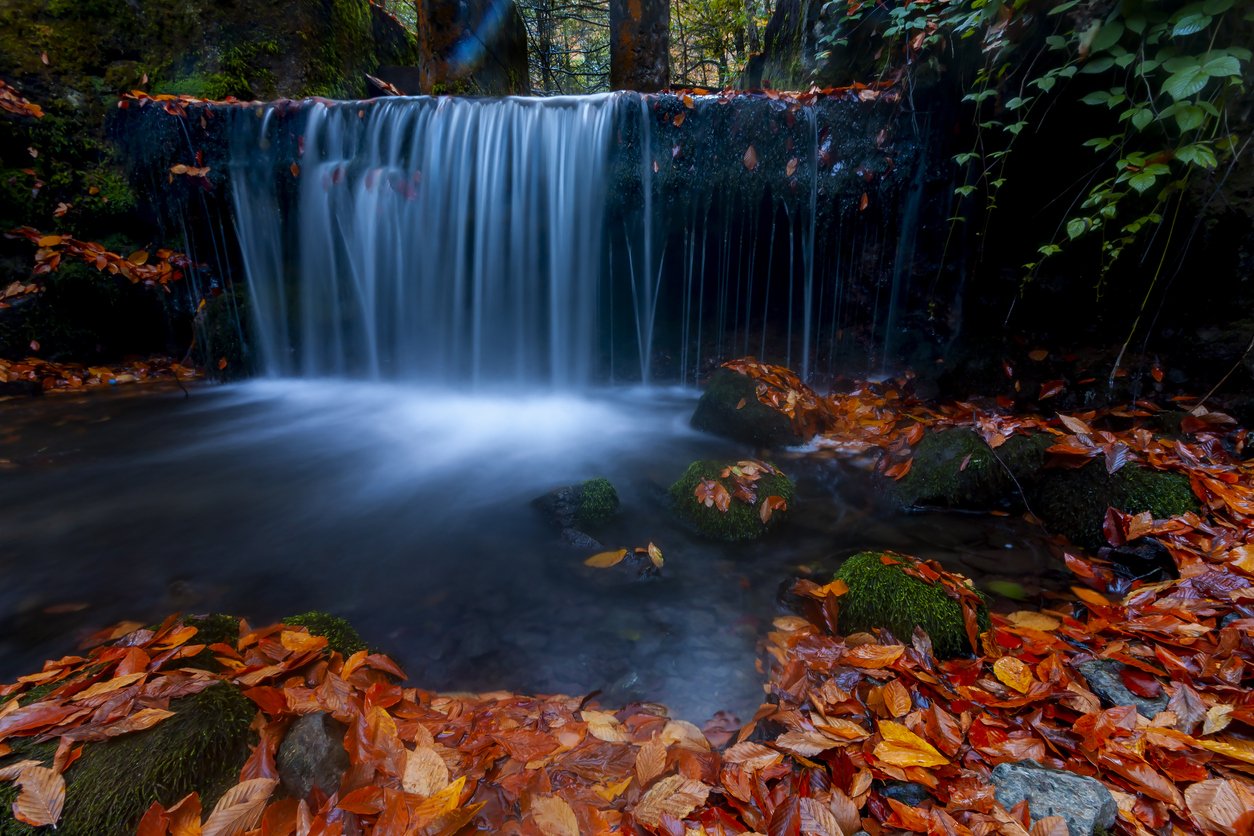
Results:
<point x="817" y="819"/>
<point x="240" y="808"/>
<point x="1050" y="826"/>
<point x="674" y="795"/>
<point x="554" y="816"/>
<point x="1224" y="805"/>
<point x="425" y="772"/>
<point x="752" y="756"/>
<point x="650" y="761"/>
<point x="791" y="168"/>
<point x="873" y="655"/>
<point x="846" y="811"/>
<point x="1075" y="425"/>
<point x="897" y="699"/>
<point x="751" y="158"/>
<point x="42" y="796"/>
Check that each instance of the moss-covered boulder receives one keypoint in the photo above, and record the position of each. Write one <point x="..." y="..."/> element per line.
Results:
<point x="955" y="468"/>
<point x="883" y="595"/>
<point x="341" y="636"/>
<point x="596" y="503"/>
<point x="199" y="749"/>
<point x="742" y="519"/>
<point x="1073" y="502"/>
<point x="730" y="407"/>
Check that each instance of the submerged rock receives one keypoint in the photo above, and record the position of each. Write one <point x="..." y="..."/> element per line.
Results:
<point x="730" y="407"/>
<point x="574" y="508"/>
<point x="884" y="596"/>
<point x="1073" y="502"/>
<point x="1105" y="680"/>
<point x="741" y="520"/>
<point x="1084" y="803"/>
<point x="312" y="754"/>
<point x="956" y="468"/>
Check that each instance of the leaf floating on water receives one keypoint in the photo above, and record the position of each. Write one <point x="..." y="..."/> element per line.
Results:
<point x="751" y="158"/>
<point x="604" y="560"/>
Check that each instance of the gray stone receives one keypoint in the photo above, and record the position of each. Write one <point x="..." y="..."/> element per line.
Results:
<point x="580" y="540"/>
<point x="906" y="792"/>
<point x="1084" y="803"/>
<point x="1104" y="680"/>
<point x="312" y="755"/>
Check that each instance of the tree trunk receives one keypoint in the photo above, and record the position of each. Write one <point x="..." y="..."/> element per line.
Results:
<point x="465" y="48"/>
<point x="639" y="44"/>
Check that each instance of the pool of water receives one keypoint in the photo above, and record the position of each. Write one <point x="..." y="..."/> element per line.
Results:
<point x="408" y="511"/>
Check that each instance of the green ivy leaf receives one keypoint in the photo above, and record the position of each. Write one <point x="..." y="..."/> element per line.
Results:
<point x="1216" y="7"/>
<point x="1186" y="82"/>
<point x="1097" y="97"/>
<point x="1142" y="181"/>
<point x="1076" y="227"/>
<point x="1197" y="154"/>
<point x="1142" y="117"/>
<point x="965" y="191"/>
<point x="1098" y="65"/>
<point x="1191" y="24"/>
<point x="1222" y="66"/>
<point x="1107" y="36"/>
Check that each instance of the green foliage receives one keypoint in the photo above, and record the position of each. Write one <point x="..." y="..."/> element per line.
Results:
<point x="1074" y="502"/>
<point x="740" y="521"/>
<point x="201" y="748"/>
<point x="886" y="597"/>
<point x="1166" y="72"/>
<point x="597" y="504"/>
<point x="341" y="636"/>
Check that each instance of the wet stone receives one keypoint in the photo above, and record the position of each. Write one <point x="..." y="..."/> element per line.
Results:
<point x="906" y="792"/>
<point x="312" y="755"/>
<point x="1084" y="803"/>
<point x="1104" y="680"/>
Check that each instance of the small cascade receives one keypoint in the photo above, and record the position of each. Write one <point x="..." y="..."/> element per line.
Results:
<point x="566" y="241"/>
<point x="429" y="238"/>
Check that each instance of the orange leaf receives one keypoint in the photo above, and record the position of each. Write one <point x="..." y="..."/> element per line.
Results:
<point x="674" y="795"/>
<point x="240" y="808"/>
<point x="873" y="655"/>
<point x="605" y="560"/>
<point x="897" y="699"/>
<point x="554" y="816"/>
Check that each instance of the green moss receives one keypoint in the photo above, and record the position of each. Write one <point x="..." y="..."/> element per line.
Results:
<point x="730" y="407"/>
<point x="740" y="521"/>
<point x="1074" y="502"/>
<point x="956" y="468"/>
<point x="597" y="504"/>
<point x="886" y="597"/>
<point x="201" y="748"/>
<point x="341" y="636"/>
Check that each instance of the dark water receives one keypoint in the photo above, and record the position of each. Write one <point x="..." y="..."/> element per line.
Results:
<point x="408" y="511"/>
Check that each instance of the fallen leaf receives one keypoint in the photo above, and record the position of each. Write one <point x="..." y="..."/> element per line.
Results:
<point x="42" y="796"/>
<point x="425" y="772"/>
<point x="1013" y="673"/>
<point x="902" y="747"/>
<point x="674" y="795"/>
<point x="240" y="808"/>
<point x="554" y="816"/>
<point x="604" y="560"/>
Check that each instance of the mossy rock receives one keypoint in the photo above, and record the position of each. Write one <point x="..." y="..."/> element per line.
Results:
<point x="884" y="596"/>
<point x="740" y="521"/>
<point x="596" y="503"/>
<point x="730" y="407"/>
<point x="1073" y="502"/>
<point x="199" y="749"/>
<point x="955" y="468"/>
<point x="341" y="636"/>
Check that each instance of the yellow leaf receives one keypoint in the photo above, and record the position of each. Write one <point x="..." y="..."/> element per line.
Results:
<point x="444" y="801"/>
<point x="1217" y="718"/>
<point x="554" y="816"/>
<point x="299" y="641"/>
<point x="604" y="726"/>
<point x="1013" y="673"/>
<point x="138" y="258"/>
<point x="1241" y="750"/>
<point x="612" y="791"/>
<point x="655" y="554"/>
<point x="605" y="560"/>
<point x="650" y="761"/>
<point x="902" y="747"/>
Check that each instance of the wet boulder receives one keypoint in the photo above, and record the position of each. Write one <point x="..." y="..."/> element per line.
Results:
<point x="732" y="500"/>
<point x="956" y="468"/>
<point x="1105" y="679"/>
<point x="1073" y="502"/>
<point x="312" y="754"/>
<point x="588" y="505"/>
<point x="1084" y="803"/>
<point x="730" y="407"/>
<point x="882" y="595"/>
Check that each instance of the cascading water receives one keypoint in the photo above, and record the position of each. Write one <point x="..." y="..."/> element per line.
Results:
<point x="568" y="240"/>
<point x="450" y="238"/>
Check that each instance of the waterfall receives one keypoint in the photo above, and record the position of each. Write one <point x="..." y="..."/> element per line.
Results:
<point x="432" y="238"/>
<point x="567" y="240"/>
